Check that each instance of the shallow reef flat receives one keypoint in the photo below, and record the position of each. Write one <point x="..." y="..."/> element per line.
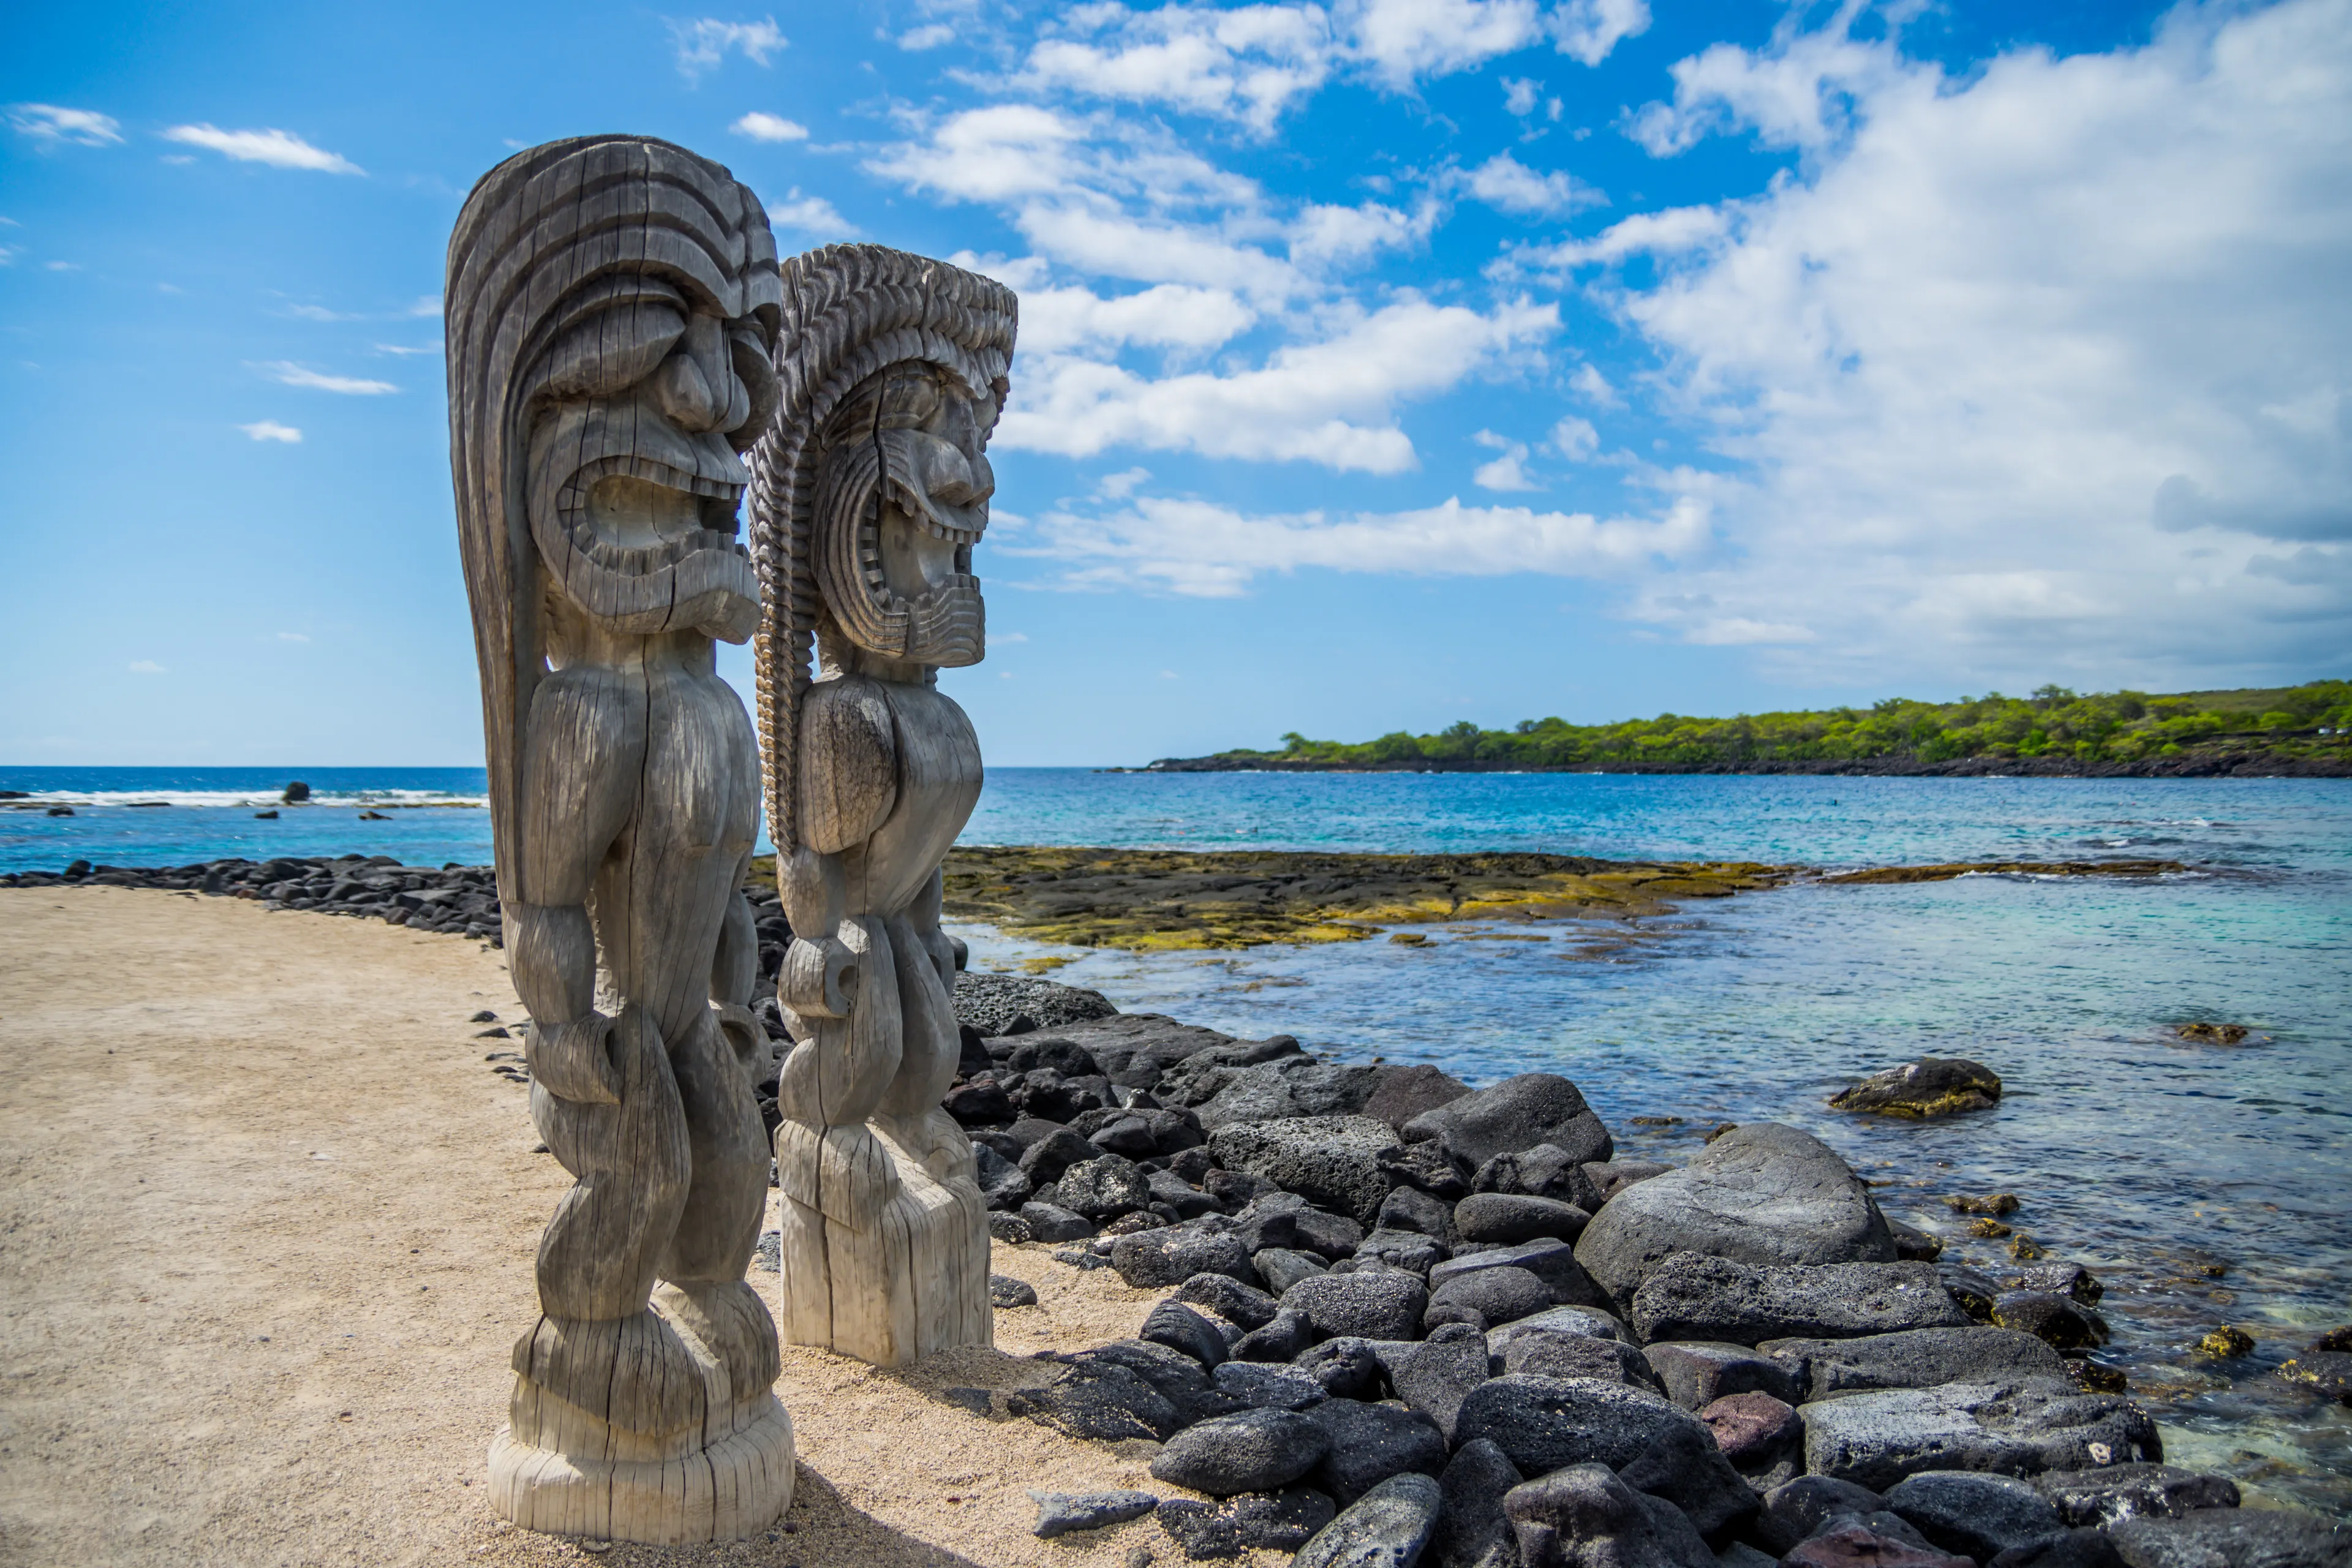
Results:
<point x="1161" y="899"/>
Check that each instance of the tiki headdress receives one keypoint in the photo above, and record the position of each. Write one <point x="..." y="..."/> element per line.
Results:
<point x="612" y="306"/>
<point x="893" y="370"/>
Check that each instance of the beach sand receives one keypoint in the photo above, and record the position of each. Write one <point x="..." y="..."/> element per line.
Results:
<point x="266" y="1222"/>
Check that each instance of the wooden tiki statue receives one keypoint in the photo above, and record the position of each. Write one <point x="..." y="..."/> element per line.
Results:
<point x="613" y="304"/>
<point x="868" y="493"/>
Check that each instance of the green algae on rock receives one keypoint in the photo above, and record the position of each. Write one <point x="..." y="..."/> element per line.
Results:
<point x="1932" y="1086"/>
<point x="1166" y="898"/>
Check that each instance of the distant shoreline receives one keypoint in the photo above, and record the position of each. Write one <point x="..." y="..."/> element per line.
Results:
<point x="2207" y="765"/>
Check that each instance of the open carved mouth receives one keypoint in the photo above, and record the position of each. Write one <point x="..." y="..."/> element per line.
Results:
<point x="631" y="513"/>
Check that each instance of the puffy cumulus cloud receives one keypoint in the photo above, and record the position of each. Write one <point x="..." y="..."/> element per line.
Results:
<point x="1400" y="40"/>
<point x="810" y="218"/>
<point x="1588" y="30"/>
<point x="54" y="127"/>
<point x="1246" y="64"/>
<point x="271" y="430"/>
<point x="1502" y="182"/>
<point x="2037" y="373"/>
<point x="1670" y="233"/>
<point x="702" y="44"/>
<point x="1207" y="549"/>
<point x="760" y="126"/>
<point x="1170" y="315"/>
<point x="1575" y="438"/>
<point x="929" y="35"/>
<point x="279" y="149"/>
<point x="1803" y="89"/>
<point x="1507" y="473"/>
<point x="1329" y="402"/>
<point x="1325" y="234"/>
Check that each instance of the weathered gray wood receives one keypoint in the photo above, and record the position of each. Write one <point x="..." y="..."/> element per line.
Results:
<point x="868" y="494"/>
<point x="600" y="295"/>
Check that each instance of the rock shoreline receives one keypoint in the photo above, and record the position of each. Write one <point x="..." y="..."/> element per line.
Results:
<point x="1406" y="1321"/>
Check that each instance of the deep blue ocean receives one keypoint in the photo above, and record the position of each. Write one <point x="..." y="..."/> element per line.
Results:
<point x="2205" y="1184"/>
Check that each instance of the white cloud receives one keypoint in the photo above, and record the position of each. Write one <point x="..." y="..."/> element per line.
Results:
<point x="929" y="37"/>
<point x="2036" y="374"/>
<point x="760" y="126"/>
<point x="812" y="217"/>
<point x="1246" y="64"/>
<point x="1593" y="388"/>
<point x="1328" y="234"/>
<point x="292" y="375"/>
<point x="1586" y="30"/>
<point x="1672" y="232"/>
<point x="145" y="666"/>
<point x="318" y="314"/>
<point x="1803" y="89"/>
<point x="1520" y="94"/>
<point x="279" y="149"/>
<point x="426" y="305"/>
<point x="1172" y="315"/>
<point x="1504" y="183"/>
<point x="62" y="265"/>
<point x="1575" y="438"/>
<point x="703" y="44"/>
<point x="998" y="640"/>
<point x="1328" y="402"/>
<point x="1507" y="473"/>
<point x="54" y="126"/>
<point x="1401" y="39"/>
<point x="1202" y="549"/>
<point x="271" y="430"/>
<point x="405" y="350"/>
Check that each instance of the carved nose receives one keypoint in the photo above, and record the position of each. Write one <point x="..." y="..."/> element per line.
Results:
<point x="681" y="391"/>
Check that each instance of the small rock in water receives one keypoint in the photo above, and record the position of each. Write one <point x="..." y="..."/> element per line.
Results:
<point x="2330" y="1371"/>
<point x="1989" y="1203"/>
<point x="1058" y="1514"/>
<point x="1932" y="1086"/>
<point x="2226" y="1342"/>
<point x="2058" y="1322"/>
<point x="1003" y="1291"/>
<point x="2211" y="1033"/>
<point x="2110" y="1493"/>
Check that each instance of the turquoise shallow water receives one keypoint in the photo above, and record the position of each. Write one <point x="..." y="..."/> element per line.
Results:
<point x="2155" y="1162"/>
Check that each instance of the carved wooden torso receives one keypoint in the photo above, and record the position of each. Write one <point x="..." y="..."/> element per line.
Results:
<point x="890" y="773"/>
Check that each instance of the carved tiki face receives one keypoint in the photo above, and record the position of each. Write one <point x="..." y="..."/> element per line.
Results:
<point x="634" y="474"/>
<point x="902" y="497"/>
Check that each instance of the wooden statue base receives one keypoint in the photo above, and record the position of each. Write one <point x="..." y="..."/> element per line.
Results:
<point x="653" y="1443"/>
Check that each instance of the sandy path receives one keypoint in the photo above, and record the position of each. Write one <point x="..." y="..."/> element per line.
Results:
<point x="266" y="1229"/>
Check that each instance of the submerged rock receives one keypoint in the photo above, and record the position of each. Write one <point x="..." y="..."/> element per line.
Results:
<point x="1932" y="1086"/>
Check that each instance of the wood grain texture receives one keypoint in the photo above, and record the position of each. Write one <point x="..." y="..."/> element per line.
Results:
<point x="602" y="290"/>
<point x="868" y="495"/>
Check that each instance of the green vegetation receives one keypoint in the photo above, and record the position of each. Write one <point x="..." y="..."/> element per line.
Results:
<point x="2309" y="725"/>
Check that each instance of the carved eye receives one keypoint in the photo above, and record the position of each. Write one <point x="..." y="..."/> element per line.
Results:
<point x="614" y="349"/>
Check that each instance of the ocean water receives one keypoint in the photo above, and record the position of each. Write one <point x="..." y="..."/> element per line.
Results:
<point x="2206" y="1186"/>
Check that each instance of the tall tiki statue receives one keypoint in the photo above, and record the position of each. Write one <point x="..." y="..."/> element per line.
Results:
<point x="613" y="306"/>
<point x="868" y="493"/>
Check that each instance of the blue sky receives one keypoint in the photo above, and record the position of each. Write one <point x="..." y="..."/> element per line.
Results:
<point x="1383" y="364"/>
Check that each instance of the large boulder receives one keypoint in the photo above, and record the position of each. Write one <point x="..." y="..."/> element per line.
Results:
<point x="2236" y="1538"/>
<point x="2014" y="1429"/>
<point x="1386" y="1528"/>
<point x="1369" y="1443"/>
<point x="1698" y="1373"/>
<point x="1149" y="1260"/>
<point x="1583" y="1515"/>
<point x="1689" y="1295"/>
<point x="1544" y="1422"/>
<point x="1332" y="1162"/>
<point x="1515" y="1114"/>
<point x="990" y="1004"/>
<point x="1368" y="1306"/>
<point x="1976" y="1516"/>
<point x="1407" y="1092"/>
<point x="1762" y="1194"/>
<point x="1254" y="1451"/>
<point x="1932" y="1086"/>
<point x="1471" y="1523"/>
<point x="1913" y="1358"/>
<point x="2111" y="1493"/>
<point x="1290" y="1086"/>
